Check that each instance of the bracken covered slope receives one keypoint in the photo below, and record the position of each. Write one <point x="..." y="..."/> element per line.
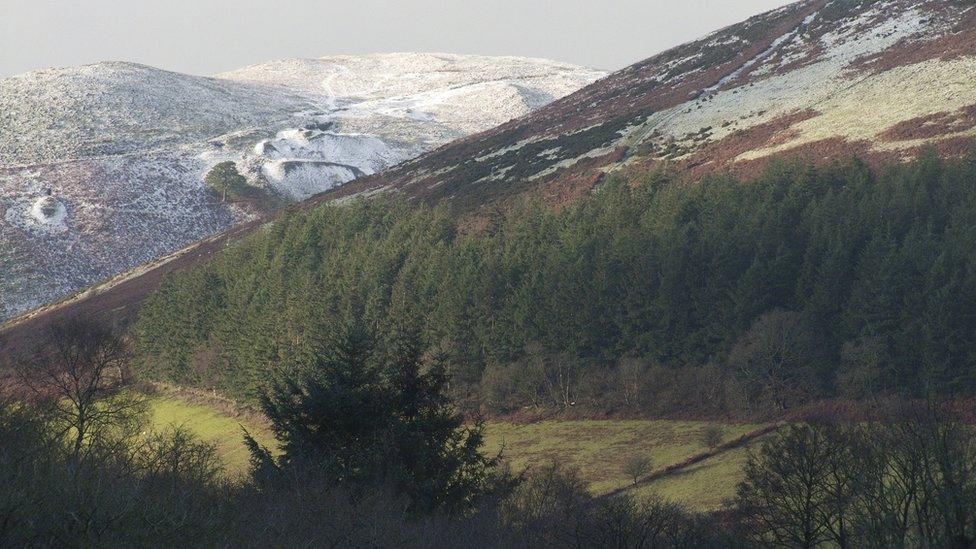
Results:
<point x="819" y="79"/>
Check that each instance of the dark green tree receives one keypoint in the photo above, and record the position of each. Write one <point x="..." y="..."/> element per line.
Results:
<point x="364" y="413"/>
<point x="226" y="180"/>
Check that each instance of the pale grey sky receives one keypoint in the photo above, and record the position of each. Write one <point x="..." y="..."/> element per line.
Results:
<point x="209" y="36"/>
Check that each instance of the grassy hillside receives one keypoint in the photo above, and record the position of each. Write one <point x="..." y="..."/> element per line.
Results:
<point x="704" y="486"/>
<point x="601" y="448"/>
<point x="217" y="427"/>
<point x="598" y="448"/>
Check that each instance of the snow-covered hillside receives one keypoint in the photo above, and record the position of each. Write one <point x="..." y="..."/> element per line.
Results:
<point x="859" y="75"/>
<point x="816" y="79"/>
<point x="462" y="94"/>
<point x="102" y="166"/>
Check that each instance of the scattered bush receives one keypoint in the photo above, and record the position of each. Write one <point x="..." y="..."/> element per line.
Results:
<point x="551" y="508"/>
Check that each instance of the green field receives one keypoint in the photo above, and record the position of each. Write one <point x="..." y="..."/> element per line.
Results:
<point x="222" y="429"/>
<point x="598" y="448"/>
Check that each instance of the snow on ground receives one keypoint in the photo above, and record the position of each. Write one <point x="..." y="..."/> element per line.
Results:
<point x="302" y="163"/>
<point x="122" y="149"/>
<point x="298" y="179"/>
<point x="116" y="108"/>
<point x="378" y="76"/>
<point x="870" y="106"/>
<point x="119" y="212"/>
<point x="411" y="102"/>
<point x="850" y="105"/>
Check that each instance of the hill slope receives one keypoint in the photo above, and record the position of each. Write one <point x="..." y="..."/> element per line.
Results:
<point x="817" y="78"/>
<point x="122" y="148"/>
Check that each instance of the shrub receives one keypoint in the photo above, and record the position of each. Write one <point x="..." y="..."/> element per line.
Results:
<point x="121" y="495"/>
<point x="552" y="508"/>
<point x="637" y="467"/>
<point x="712" y="436"/>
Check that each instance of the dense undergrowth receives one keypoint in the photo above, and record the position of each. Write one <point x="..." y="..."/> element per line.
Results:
<point x="649" y="296"/>
<point x="371" y="453"/>
<point x="115" y="500"/>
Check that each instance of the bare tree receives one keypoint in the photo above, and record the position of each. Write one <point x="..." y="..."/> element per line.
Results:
<point x="777" y="360"/>
<point x="561" y="376"/>
<point x="637" y="467"/>
<point x="79" y="370"/>
<point x="785" y="489"/>
<point x="630" y="376"/>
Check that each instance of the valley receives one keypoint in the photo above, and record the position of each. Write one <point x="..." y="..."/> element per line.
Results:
<point x="814" y="81"/>
<point x="721" y="297"/>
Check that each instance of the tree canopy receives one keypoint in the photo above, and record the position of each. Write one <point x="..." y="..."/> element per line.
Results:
<point x="869" y="278"/>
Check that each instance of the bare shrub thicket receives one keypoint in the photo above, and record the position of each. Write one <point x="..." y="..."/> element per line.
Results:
<point x="905" y="481"/>
<point x="78" y="370"/>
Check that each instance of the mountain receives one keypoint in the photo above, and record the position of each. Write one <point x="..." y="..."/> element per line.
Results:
<point x="102" y="166"/>
<point x="817" y="79"/>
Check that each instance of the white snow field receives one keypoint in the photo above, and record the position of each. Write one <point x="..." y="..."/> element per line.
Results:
<point x="102" y="166"/>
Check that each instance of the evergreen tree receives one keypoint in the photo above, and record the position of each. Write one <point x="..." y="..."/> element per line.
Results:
<point x="670" y="270"/>
<point x="364" y="413"/>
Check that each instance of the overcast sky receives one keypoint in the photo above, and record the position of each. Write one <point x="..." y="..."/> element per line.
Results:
<point x="210" y="36"/>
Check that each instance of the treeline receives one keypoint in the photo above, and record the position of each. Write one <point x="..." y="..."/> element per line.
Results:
<point x="371" y="453"/>
<point x="652" y="295"/>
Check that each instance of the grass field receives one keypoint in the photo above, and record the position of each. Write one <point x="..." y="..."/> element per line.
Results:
<point x="216" y="427"/>
<point x="598" y="448"/>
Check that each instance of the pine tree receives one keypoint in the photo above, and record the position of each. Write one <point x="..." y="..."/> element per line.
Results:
<point x="374" y="414"/>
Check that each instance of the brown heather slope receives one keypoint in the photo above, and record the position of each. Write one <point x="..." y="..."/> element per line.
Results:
<point x="818" y="79"/>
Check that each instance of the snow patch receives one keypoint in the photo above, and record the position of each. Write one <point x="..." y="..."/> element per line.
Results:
<point x="48" y="211"/>
<point x="42" y="216"/>
<point x="300" y="179"/>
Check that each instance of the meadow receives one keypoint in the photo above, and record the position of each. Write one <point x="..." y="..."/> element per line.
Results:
<point x="598" y="449"/>
<point x="222" y="428"/>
